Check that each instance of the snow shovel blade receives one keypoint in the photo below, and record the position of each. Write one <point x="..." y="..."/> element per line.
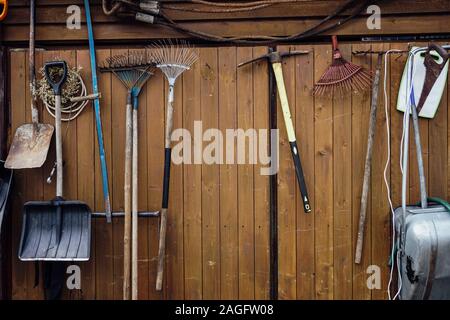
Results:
<point x="42" y="226"/>
<point x="30" y="146"/>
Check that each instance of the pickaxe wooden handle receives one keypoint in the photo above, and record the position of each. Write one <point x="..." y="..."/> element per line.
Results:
<point x="275" y="59"/>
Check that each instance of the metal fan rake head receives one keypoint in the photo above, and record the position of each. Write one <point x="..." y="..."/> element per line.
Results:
<point x="342" y="76"/>
<point x="173" y="58"/>
<point x="132" y="69"/>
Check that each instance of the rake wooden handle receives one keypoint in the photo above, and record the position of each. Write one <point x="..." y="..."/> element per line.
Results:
<point x="127" y="202"/>
<point x="161" y="249"/>
<point x="165" y="197"/>
<point x="335" y="43"/>
<point x="135" y="192"/>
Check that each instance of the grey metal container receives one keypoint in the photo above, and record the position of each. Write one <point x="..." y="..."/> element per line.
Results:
<point x="425" y="262"/>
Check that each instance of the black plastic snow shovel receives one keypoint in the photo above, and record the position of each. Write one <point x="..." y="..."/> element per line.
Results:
<point x="56" y="230"/>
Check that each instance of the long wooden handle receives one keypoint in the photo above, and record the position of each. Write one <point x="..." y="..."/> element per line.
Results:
<point x="127" y="203"/>
<point x="165" y="198"/>
<point x="368" y="163"/>
<point x="59" y="166"/>
<point x="161" y="249"/>
<point x="278" y="70"/>
<point x="32" y="58"/>
<point x="59" y="156"/>
<point x="134" y="247"/>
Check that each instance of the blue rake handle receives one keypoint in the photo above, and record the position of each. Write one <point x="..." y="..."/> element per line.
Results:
<point x="98" y="121"/>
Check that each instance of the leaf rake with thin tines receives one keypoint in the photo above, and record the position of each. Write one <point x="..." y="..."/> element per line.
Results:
<point x="172" y="60"/>
<point x="342" y="76"/>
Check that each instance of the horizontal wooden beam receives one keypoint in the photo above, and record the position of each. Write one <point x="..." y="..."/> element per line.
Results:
<point x="56" y="13"/>
<point x="399" y="25"/>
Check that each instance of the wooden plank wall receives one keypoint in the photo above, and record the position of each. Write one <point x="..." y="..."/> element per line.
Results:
<point x="218" y="232"/>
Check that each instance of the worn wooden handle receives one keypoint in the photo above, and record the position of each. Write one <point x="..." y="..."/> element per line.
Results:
<point x="134" y="223"/>
<point x="59" y="152"/>
<point x="368" y="164"/>
<point x="162" y="249"/>
<point x="127" y="204"/>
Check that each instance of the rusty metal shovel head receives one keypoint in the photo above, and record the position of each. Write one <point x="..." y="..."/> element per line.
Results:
<point x="30" y="146"/>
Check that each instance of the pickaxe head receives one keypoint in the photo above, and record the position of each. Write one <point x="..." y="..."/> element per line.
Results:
<point x="275" y="56"/>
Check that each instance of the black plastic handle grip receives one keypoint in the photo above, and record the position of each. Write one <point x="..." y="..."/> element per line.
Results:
<point x="56" y="85"/>
<point x="300" y="177"/>
<point x="166" y="182"/>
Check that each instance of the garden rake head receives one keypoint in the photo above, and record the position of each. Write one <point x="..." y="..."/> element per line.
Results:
<point x="132" y="69"/>
<point x="342" y="76"/>
<point x="173" y="58"/>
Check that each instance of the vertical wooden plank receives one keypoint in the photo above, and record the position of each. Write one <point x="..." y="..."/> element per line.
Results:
<point x="228" y="178"/>
<point x="210" y="177"/>
<point x="380" y="205"/>
<point x="104" y="273"/>
<point x="261" y="182"/>
<point x="245" y="178"/>
<point x="118" y="152"/>
<point x="84" y="163"/>
<point x="33" y="177"/>
<point x="304" y="73"/>
<point x="17" y="84"/>
<point x="143" y="223"/>
<point x="175" y="262"/>
<point x="69" y="134"/>
<point x="287" y="192"/>
<point x="323" y="110"/>
<point x="49" y="189"/>
<point x="360" y="124"/>
<point x="155" y="165"/>
<point x="342" y="171"/>
<point x="193" y="272"/>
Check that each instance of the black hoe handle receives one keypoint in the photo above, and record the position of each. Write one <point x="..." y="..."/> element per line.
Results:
<point x="300" y="177"/>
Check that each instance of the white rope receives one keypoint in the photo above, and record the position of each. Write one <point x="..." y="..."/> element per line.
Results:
<point x="72" y="111"/>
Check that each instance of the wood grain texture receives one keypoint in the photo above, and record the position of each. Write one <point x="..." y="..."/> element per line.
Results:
<point x="53" y="12"/>
<point x="210" y="175"/>
<point x="287" y="190"/>
<point x="323" y="132"/>
<point x="342" y="192"/>
<point x="261" y="111"/>
<point x="111" y="32"/>
<point x="380" y="207"/>
<point x="85" y="162"/>
<point x="305" y="126"/>
<point x="245" y="96"/>
<point x="229" y="239"/>
<point x="360" y="127"/>
<point x="192" y="190"/>
<point x="103" y="231"/>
